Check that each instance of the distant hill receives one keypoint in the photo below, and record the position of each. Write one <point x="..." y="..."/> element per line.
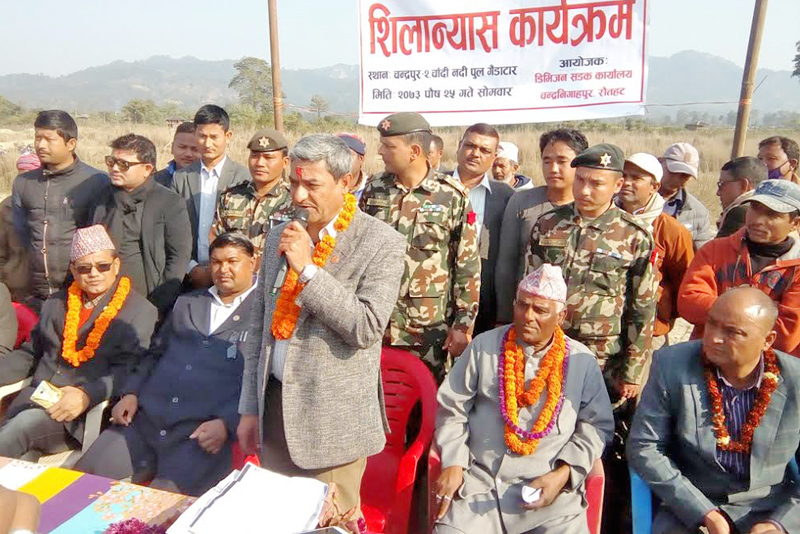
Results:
<point x="189" y="82"/>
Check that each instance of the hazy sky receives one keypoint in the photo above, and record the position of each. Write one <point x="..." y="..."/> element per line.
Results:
<point x="56" y="37"/>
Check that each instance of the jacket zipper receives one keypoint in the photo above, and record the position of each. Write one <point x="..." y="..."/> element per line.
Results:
<point x="44" y="237"/>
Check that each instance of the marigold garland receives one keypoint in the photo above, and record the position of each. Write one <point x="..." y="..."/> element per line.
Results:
<point x="71" y="322"/>
<point x="769" y="383"/>
<point x="552" y="374"/>
<point x="284" y="318"/>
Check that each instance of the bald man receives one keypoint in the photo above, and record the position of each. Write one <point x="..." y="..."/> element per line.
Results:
<point x="710" y="474"/>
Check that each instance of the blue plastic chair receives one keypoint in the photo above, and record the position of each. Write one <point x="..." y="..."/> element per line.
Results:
<point x="643" y="502"/>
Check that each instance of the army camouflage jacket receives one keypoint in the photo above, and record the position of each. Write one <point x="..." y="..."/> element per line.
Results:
<point x="612" y="284"/>
<point x="441" y="281"/>
<point x="240" y="209"/>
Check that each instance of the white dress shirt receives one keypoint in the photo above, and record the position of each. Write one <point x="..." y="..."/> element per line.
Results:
<point x="477" y="197"/>
<point x="281" y="346"/>
<point x="221" y="311"/>
<point x="209" y="183"/>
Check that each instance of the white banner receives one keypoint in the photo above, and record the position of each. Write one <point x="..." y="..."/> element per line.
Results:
<point x="459" y="62"/>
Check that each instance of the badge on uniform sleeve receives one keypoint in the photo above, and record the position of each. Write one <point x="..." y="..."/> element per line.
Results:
<point x="472" y="217"/>
<point x="379" y="202"/>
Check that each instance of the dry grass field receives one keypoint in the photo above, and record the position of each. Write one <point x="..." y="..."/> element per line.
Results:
<point x="713" y="144"/>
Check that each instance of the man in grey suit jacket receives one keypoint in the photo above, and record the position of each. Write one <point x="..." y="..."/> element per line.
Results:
<point x="686" y="461"/>
<point x="312" y="400"/>
<point x="201" y="183"/>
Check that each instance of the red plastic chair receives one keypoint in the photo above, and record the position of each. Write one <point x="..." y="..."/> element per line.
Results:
<point x="388" y="483"/>
<point x="595" y="488"/>
<point x="238" y="458"/>
<point x="26" y="320"/>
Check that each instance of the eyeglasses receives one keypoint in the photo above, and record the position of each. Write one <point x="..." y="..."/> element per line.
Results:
<point x="87" y="269"/>
<point x="723" y="182"/>
<point x="121" y="163"/>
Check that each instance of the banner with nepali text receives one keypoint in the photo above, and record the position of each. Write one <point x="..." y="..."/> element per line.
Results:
<point x="459" y="62"/>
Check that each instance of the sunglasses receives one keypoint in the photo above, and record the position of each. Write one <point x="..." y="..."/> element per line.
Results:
<point x="87" y="269"/>
<point x="121" y="163"/>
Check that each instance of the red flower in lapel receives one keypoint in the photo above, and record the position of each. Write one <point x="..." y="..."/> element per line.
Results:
<point x="472" y="217"/>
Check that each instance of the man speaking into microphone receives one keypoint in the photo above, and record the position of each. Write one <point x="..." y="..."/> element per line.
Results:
<point x="311" y="401"/>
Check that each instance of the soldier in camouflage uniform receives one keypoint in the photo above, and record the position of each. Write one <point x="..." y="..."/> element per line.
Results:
<point x="439" y="292"/>
<point x="606" y="256"/>
<point x="253" y="207"/>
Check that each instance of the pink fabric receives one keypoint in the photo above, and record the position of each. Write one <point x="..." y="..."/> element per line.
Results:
<point x="547" y="282"/>
<point x="28" y="162"/>
<point x="90" y="240"/>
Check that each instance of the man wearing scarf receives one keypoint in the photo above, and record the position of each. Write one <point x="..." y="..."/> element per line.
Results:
<point x="764" y="254"/>
<point x="63" y="351"/>
<point x="639" y="196"/>
<point x="148" y="222"/>
<point x="485" y="481"/>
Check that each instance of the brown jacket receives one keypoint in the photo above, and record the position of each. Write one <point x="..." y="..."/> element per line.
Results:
<point x="675" y="254"/>
<point x="13" y="257"/>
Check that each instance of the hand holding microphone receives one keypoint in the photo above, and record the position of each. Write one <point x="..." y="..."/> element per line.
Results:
<point x="296" y="246"/>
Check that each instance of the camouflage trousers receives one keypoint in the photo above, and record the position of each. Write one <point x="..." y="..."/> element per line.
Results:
<point x="431" y="353"/>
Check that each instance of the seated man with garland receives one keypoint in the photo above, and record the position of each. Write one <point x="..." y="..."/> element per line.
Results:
<point x="89" y="337"/>
<point x="523" y="415"/>
<point x="719" y="425"/>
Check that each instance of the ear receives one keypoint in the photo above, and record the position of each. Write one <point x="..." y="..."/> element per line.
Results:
<point x="562" y="315"/>
<point x="793" y="164"/>
<point x="347" y="181"/>
<point x="71" y="144"/>
<point x="416" y="151"/>
<point x="286" y="162"/>
<point x="770" y="339"/>
<point x="228" y="135"/>
<point x="618" y="184"/>
<point x="149" y="168"/>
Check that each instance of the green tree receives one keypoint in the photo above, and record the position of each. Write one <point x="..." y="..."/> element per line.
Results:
<point x="8" y="109"/>
<point x="319" y="105"/>
<point x="797" y="61"/>
<point x="141" y="111"/>
<point x="253" y="82"/>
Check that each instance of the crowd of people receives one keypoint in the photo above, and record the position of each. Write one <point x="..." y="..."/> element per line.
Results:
<point x="215" y="303"/>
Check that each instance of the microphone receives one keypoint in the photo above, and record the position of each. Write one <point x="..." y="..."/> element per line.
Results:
<point x="300" y="216"/>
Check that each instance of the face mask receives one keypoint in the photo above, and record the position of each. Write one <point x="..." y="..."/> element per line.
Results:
<point x="776" y="174"/>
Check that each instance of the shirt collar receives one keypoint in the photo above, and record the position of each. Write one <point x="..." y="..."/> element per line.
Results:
<point x="217" y="170"/>
<point x="756" y="384"/>
<point x="238" y="300"/>
<point x="171" y="168"/>
<point x="330" y="228"/>
<point x="678" y="198"/>
<point x="485" y="182"/>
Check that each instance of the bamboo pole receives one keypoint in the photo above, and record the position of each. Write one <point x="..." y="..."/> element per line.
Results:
<point x="277" y="93"/>
<point x="749" y="77"/>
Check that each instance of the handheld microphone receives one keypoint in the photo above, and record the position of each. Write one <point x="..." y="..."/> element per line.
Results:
<point x="300" y="216"/>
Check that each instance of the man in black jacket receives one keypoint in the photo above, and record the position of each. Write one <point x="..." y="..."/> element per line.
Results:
<point x="178" y="414"/>
<point x="184" y="153"/>
<point x="66" y="352"/>
<point x="148" y="223"/>
<point x="52" y="201"/>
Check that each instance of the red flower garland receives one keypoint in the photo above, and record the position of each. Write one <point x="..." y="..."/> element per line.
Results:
<point x="768" y="385"/>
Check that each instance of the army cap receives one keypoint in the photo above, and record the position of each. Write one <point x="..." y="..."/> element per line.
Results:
<point x="267" y="140"/>
<point x="604" y="156"/>
<point x="782" y="196"/>
<point x="403" y="123"/>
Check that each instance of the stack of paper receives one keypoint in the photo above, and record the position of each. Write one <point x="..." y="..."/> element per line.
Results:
<point x="255" y="500"/>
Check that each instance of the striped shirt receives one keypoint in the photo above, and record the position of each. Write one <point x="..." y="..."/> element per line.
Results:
<point x="736" y="406"/>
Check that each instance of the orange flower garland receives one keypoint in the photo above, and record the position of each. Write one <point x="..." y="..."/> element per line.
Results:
<point x="284" y="318"/>
<point x="768" y="384"/>
<point x="551" y="374"/>
<point x="69" y="348"/>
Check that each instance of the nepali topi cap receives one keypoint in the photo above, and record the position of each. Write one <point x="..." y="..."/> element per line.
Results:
<point x="782" y="196"/>
<point x="605" y="156"/>
<point x="402" y="123"/>
<point x="90" y="240"/>
<point x="267" y="140"/>
<point x="546" y="282"/>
